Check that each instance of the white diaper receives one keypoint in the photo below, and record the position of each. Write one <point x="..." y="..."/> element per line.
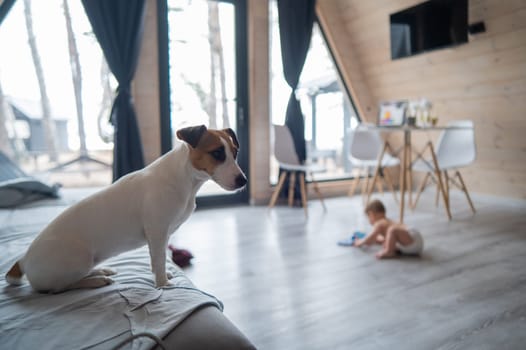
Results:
<point x="414" y="248"/>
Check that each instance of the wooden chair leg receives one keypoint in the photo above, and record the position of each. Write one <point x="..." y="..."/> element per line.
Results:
<point x="446" y="185"/>
<point x="410" y="178"/>
<point x="365" y="186"/>
<point x="303" y="194"/>
<point x="318" y="193"/>
<point x="375" y="181"/>
<point x="279" y="186"/>
<point x="390" y="184"/>
<point x="377" y="169"/>
<point x="354" y="184"/>
<point x="421" y="189"/>
<point x="406" y="154"/>
<point x="380" y="184"/>
<point x="439" y="180"/>
<point x="292" y="184"/>
<point x="363" y="175"/>
<point x="464" y="188"/>
<point x="437" y="196"/>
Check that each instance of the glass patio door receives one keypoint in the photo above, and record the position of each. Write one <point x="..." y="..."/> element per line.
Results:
<point x="208" y="82"/>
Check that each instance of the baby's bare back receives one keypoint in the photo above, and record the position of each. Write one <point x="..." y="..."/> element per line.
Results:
<point x="385" y="224"/>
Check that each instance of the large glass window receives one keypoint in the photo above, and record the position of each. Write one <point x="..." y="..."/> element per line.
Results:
<point x="328" y="113"/>
<point x="206" y="72"/>
<point x="55" y="94"/>
<point x="202" y="63"/>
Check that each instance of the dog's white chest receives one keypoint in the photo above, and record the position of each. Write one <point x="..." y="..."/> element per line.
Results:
<point x="181" y="216"/>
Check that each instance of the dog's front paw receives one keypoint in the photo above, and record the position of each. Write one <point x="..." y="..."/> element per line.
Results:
<point x="107" y="280"/>
<point x="106" y="271"/>
<point x="169" y="275"/>
<point x="164" y="284"/>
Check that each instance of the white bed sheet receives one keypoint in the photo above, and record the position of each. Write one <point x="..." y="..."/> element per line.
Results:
<point x="89" y="318"/>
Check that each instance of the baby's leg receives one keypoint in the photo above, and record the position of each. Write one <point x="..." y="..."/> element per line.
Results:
<point x="395" y="234"/>
<point x="402" y="235"/>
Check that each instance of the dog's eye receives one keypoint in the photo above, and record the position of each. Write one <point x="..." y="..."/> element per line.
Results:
<point x="219" y="154"/>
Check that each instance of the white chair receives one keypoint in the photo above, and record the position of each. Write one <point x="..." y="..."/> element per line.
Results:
<point x="365" y="148"/>
<point x="285" y="154"/>
<point x="455" y="149"/>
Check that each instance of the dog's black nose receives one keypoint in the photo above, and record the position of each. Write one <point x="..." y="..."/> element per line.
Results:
<point x="241" y="181"/>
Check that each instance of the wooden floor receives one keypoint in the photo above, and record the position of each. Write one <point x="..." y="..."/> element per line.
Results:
<point x="287" y="285"/>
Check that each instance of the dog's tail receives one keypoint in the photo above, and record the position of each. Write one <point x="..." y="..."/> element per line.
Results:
<point x="15" y="274"/>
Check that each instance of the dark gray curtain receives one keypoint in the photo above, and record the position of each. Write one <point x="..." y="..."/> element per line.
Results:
<point x="118" y="26"/>
<point x="4" y="8"/>
<point x="296" y="19"/>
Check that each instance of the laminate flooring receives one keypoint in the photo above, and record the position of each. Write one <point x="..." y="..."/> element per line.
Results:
<point x="287" y="285"/>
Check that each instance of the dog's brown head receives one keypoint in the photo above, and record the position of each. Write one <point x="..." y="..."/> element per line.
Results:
<point x="215" y="152"/>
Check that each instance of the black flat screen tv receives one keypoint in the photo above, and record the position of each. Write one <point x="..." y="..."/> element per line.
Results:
<point x="428" y="26"/>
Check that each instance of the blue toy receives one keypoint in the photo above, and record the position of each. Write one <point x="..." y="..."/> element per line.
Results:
<point x="350" y="241"/>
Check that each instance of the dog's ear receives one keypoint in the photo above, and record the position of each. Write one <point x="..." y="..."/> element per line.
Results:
<point x="191" y="134"/>
<point x="232" y="135"/>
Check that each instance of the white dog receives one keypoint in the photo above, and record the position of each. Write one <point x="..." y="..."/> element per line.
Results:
<point x="144" y="207"/>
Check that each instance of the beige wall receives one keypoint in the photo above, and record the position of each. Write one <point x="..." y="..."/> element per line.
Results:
<point x="259" y="108"/>
<point x="484" y="80"/>
<point x="333" y="24"/>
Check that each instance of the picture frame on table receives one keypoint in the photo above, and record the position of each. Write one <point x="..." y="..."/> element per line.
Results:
<point x="392" y="113"/>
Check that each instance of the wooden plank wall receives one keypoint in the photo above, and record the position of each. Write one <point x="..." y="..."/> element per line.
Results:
<point x="483" y="80"/>
<point x="146" y="87"/>
<point x="259" y="97"/>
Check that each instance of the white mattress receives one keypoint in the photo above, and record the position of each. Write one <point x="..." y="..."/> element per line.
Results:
<point x="89" y="318"/>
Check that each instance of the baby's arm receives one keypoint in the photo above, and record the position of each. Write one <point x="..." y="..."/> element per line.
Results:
<point x="372" y="237"/>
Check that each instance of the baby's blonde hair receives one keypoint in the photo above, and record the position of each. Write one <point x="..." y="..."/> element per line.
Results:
<point x="375" y="206"/>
